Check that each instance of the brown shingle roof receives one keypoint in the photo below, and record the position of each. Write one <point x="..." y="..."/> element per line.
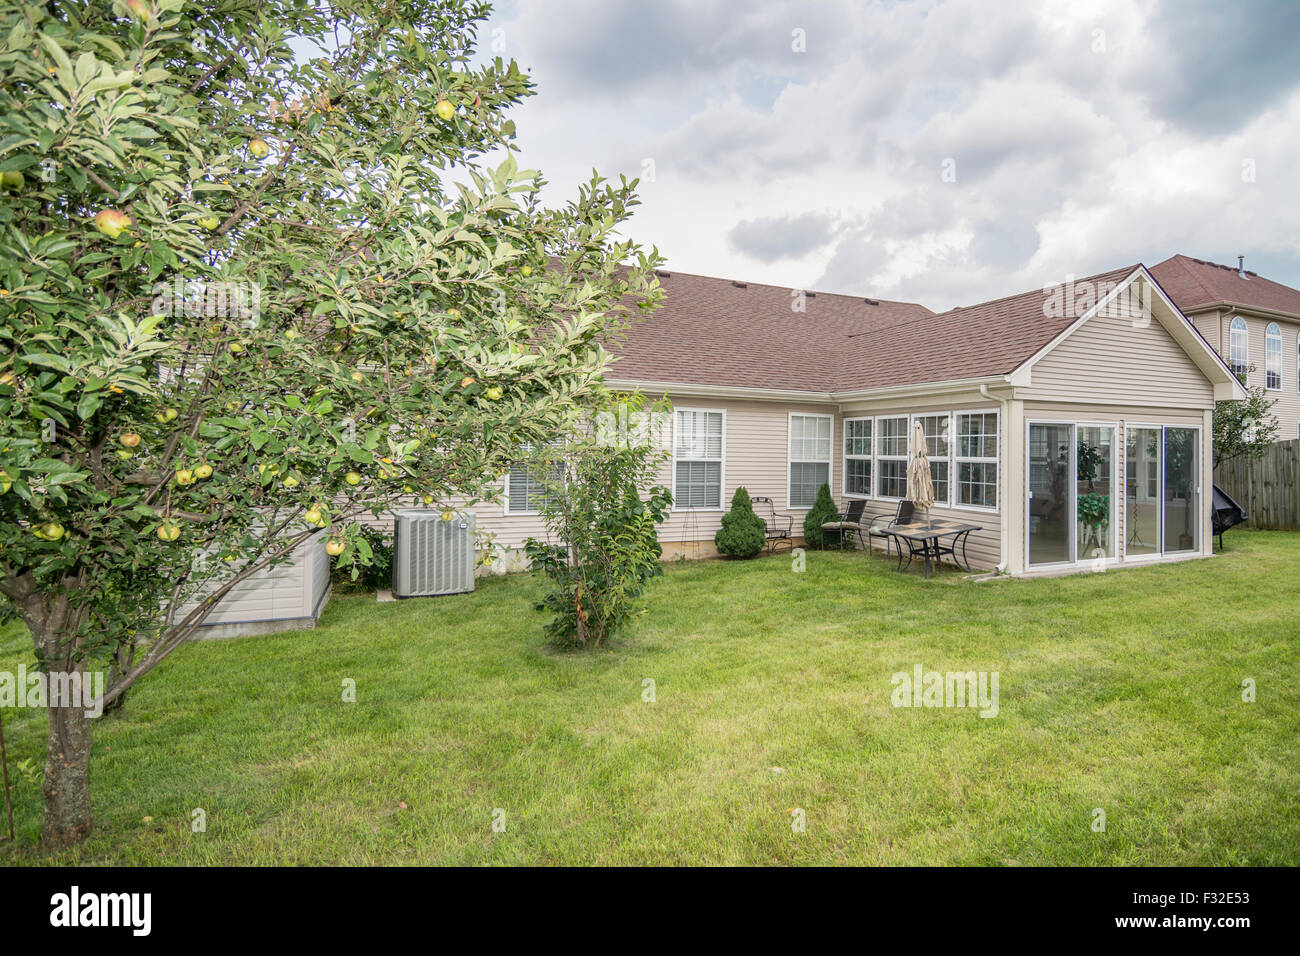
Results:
<point x="715" y="332"/>
<point x="1194" y="282"/>
<point x="711" y="332"/>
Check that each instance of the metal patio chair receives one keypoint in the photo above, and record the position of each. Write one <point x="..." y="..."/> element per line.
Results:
<point x="778" y="525"/>
<point x="879" y="527"/>
<point x="848" y="522"/>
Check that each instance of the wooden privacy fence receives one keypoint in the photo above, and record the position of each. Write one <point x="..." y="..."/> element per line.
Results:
<point x="1268" y="488"/>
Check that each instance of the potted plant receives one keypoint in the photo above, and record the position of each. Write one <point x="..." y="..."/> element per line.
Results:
<point x="1093" y="507"/>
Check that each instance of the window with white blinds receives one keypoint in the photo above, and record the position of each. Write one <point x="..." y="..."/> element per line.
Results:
<point x="527" y="488"/>
<point x="810" y="458"/>
<point x="698" y="456"/>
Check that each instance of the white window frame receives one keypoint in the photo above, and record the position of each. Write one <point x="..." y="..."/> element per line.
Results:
<point x="911" y="432"/>
<point x="721" y="459"/>
<point x="954" y="475"/>
<point x="845" y="457"/>
<point x="829" y="462"/>
<point x="877" y="435"/>
<point x="505" y="503"/>
<point x="1271" y="339"/>
<point x="1244" y="329"/>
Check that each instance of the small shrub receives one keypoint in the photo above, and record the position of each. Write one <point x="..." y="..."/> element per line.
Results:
<point x="743" y="533"/>
<point x="824" y="509"/>
<point x="605" y="546"/>
<point x="375" y="575"/>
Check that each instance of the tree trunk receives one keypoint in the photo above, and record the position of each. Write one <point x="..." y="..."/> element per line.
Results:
<point x="55" y="623"/>
<point x="67" y="776"/>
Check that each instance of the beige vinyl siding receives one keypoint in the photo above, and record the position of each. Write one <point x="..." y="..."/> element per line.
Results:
<point x="984" y="546"/>
<point x="1286" y="399"/>
<point x="290" y="591"/>
<point x="755" y="448"/>
<point x="1122" y="360"/>
<point x="755" y="455"/>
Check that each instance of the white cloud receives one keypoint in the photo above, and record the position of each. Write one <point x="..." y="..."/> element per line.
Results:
<point x="1075" y="149"/>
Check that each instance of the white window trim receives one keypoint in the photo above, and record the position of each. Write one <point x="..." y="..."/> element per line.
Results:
<point x="876" y="435"/>
<point x="1280" y="363"/>
<point x="722" y="460"/>
<point x="1245" y="332"/>
<point x="958" y="460"/>
<point x="845" y="457"/>
<point x="829" y="462"/>
<point x="952" y="448"/>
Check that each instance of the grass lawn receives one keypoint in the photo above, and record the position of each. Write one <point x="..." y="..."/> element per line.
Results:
<point x="1119" y="690"/>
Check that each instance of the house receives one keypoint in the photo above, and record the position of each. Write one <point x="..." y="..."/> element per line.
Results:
<point x="1253" y="322"/>
<point x="1073" y="423"/>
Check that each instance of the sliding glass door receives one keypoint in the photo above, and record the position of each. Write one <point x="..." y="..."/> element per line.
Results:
<point x="1162" y="492"/>
<point x="1095" y="497"/>
<point x="1142" y="492"/>
<point x="1182" y="489"/>
<point x="1071" y="493"/>
<point x="1051" y="493"/>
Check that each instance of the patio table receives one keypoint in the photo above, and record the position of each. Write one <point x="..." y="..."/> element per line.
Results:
<point x="927" y="539"/>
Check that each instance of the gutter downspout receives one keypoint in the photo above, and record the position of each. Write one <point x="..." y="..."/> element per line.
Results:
<point x="1004" y="477"/>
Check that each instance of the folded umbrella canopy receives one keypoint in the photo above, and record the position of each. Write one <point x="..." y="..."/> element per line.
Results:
<point x="919" y="482"/>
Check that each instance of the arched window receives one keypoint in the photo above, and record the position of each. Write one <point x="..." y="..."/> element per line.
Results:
<point x="1238" y="348"/>
<point x="1273" y="356"/>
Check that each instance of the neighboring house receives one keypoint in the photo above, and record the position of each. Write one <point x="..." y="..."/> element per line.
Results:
<point x="1098" y="394"/>
<point x="1253" y="322"/>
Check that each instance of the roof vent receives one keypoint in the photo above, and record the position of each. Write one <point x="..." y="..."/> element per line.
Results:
<point x="871" y="302"/>
<point x="740" y="285"/>
<point x="809" y="295"/>
<point x="1241" y="266"/>
<point x="663" y="275"/>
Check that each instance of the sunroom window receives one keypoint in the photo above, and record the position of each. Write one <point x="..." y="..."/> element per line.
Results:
<point x="977" y="459"/>
<point x="857" y="456"/>
<point x="891" y="457"/>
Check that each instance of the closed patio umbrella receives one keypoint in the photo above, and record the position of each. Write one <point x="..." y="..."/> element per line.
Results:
<point x="919" y="482"/>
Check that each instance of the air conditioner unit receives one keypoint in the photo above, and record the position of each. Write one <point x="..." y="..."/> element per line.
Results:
<point x="432" y="556"/>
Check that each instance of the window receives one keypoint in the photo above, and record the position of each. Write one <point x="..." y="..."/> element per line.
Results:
<point x="810" y="458"/>
<point x="697" y="471"/>
<point x="1239" y="348"/>
<point x="1273" y="356"/>
<point x="891" y="457"/>
<point x="857" y="456"/>
<point x="977" y="459"/>
<point x="526" y="485"/>
<point x="936" y="449"/>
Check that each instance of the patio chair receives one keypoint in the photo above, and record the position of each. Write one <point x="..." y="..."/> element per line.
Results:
<point x="848" y="522"/>
<point x="879" y="527"/>
<point x="778" y="525"/>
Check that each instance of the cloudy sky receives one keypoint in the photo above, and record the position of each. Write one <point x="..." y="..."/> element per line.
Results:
<point x="944" y="152"/>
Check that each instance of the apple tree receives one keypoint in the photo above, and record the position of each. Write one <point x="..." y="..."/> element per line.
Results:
<point x="266" y="269"/>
